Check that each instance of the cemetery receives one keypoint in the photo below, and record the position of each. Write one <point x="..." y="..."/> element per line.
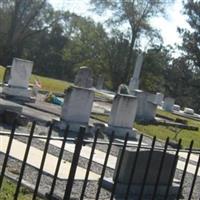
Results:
<point x="99" y="100"/>
<point x="159" y="169"/>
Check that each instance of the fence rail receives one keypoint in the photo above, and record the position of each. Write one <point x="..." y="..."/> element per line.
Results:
<point x="119" y="182"/>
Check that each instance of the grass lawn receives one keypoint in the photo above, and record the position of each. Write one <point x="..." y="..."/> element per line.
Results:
<point x="162" y="132"/>
<point x="49" y="84"/>
<point x="8" y="190"/>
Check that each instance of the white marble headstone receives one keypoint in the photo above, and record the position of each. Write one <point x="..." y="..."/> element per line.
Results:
<point x="20" y="73"/>
<point x="77" y="105"/>
<point x="147" y="106"/>
<point x="168" y="104"/>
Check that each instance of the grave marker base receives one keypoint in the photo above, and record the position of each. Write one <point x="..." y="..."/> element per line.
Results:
<point x="135" y="189"/>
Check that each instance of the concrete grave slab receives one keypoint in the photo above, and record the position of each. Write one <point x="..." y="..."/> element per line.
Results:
<point x="35" y="156"/>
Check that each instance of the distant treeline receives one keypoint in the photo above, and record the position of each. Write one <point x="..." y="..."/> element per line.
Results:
<point x="60" y="42"/>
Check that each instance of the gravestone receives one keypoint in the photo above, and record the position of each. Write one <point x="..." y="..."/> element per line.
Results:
<point x="147" y="106"/>
<point x="134" y="82"/>
<point x="84" y="77"/>
<point x="100" y="81"/>
<point x="122" y="116"/>
<point x="176" y="107"/>
<point x="18" y="82"/>
<point x="189" y="111"/>
<point x="168" y="104"/>
<point x="159" y="98"/>
<point x="77" y="107"/>
<point x="140" y="170"/>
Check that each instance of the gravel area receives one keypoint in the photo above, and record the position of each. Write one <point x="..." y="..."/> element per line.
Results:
<point x="31" y="173"/>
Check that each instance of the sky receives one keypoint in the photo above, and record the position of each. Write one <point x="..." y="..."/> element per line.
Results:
<point x="166" y="25"/>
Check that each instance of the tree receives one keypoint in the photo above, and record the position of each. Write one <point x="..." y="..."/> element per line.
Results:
<point x="87" y="44"/>
<point x="191" y="38"/>
<point x="137" y="13"/>
<point x="189" y="62"/>
<point x="23" y="19"/>
<point x="156" y="60"/>
<point x="117" y="48"/>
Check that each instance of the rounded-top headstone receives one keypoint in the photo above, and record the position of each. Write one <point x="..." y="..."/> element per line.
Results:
<point x="84" y="77"/>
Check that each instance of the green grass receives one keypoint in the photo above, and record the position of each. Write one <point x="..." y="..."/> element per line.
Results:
<point x="162" y="132"/>
<point x="2" y="69"/>
<point x="8" y="190"/>
<point x="49" y="84"/>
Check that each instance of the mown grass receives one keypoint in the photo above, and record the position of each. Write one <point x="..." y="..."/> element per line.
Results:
<point x="8" y="190"/>
<point x="162" y="132"/>
<point x="49" y="84"/>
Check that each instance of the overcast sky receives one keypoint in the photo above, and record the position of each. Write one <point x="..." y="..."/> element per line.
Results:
<point x="167" y="26"/>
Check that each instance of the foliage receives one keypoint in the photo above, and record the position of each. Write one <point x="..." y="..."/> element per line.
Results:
<point x="156" y="60"/>
<point x="183" y="76"/>
<point x="137" y="13"/>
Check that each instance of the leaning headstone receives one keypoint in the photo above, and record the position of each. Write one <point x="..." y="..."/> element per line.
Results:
<point x="147" y="106"/>
<point x="122" y="116"/>
<point x="77" y="107"/>
<point x="166" y="176"/>
<point x="100" y="81"/>
<point x="84" y="77"/>
<point x="134" y="82"/>
<point x="168" y="104"/>
<point x="18" y="83"/>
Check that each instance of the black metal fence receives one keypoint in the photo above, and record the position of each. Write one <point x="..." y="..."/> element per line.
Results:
<point x="187" y="173"/>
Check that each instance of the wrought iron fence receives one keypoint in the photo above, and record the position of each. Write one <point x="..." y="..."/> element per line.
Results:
<point x="192" y="185"/>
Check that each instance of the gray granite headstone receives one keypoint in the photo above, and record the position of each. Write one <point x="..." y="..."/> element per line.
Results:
<point x="143" y="155"/>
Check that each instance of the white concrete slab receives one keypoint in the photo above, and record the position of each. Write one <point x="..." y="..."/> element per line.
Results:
<point x="35" y="156"/>
<point x="193" y="157"/>
<point x="99" y="157"/>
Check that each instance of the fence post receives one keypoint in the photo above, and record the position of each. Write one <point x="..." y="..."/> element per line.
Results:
<point x="24" y="160"/>
<point x="58" y="163"/>
<point x="7" y="153"/>
<point x="104" y="166"/>
<point x="74" y="163"/>
<point x="43" y="161"/>
<point x="89" y="164"/>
